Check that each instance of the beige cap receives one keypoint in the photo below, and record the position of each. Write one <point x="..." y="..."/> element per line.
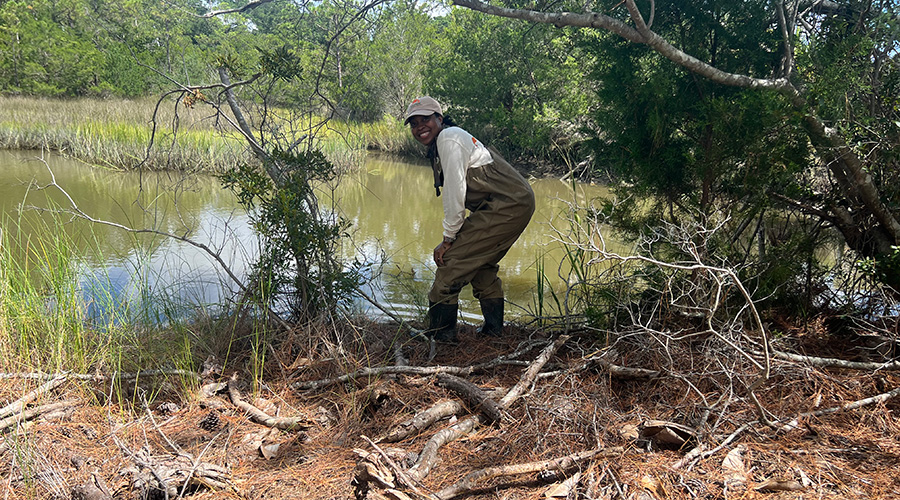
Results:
<point x="423" y="106"/>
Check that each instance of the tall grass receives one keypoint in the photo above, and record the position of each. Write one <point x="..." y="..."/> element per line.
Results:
<point x="116" y="133"/>
<point x="55" y="317"/>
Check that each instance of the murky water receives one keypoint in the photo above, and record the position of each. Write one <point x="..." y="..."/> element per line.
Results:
<point x="395" y="214"/>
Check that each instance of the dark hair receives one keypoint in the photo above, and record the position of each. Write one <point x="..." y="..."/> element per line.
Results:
<point x="432" y="152"/>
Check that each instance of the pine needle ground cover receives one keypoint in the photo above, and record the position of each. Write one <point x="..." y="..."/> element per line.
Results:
<point x="330" y="418"/>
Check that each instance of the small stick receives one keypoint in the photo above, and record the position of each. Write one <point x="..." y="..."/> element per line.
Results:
<point x="34" y="412"/>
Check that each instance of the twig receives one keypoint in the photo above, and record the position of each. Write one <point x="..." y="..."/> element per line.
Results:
<point x="259" y="416"/>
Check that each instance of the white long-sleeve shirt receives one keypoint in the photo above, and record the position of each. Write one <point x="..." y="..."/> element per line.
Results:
<point x="459" y="152"/>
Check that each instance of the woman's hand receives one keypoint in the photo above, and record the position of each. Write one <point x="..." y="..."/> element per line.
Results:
<point x="439" y="252"/>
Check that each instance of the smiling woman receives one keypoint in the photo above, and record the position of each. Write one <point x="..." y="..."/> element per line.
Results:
<point x="500" y="203"/>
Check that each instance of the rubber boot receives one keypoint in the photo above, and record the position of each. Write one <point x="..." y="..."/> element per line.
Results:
<point x="441" y="322"/>
<point x="492" y="310"/>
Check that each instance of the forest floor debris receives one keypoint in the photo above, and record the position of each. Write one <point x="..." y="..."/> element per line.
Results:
<point x="537" y="419"/>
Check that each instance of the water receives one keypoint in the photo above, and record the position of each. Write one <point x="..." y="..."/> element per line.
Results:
<point x="395" y="215"/>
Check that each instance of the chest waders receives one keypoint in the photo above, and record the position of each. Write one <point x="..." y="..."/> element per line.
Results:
<point x="500" y="203"/>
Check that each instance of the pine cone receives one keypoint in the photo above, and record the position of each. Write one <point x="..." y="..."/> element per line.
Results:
<point x="210" y="422"/>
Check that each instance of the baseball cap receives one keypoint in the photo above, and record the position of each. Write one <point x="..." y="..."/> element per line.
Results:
<point x="423" y="106"/>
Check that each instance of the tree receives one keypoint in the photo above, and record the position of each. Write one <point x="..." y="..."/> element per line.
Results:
<point x="835" y="67"/>
<point x="510" y="83"/>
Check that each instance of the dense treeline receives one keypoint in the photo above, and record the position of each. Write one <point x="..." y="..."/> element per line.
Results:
<point x="788" y="145"/>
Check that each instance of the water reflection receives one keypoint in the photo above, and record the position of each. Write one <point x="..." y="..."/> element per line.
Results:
<point x="396" y="221"/>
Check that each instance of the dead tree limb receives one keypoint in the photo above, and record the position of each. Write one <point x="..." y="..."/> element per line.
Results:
<point x="261" y="417"/>
<point x="35" y="412"/>
<point x="428" y="417"/>
<point x="429" y="452"/>
<point x="20" y="404"/>
<point x="856" y="404"/>
<point x="531" y="373"/>
<point x="837" y="363"/>
<point x="472" y="395"/>
<point x="428" y="457"/>
<point x="424" y="419"/>
<point x="474" y="480"/>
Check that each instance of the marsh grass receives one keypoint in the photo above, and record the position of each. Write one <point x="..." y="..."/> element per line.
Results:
<point x="116" y="134"/>
<point x="55" y="316"/>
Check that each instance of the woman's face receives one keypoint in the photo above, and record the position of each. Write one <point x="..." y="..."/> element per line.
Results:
<point x="425" y="128"/>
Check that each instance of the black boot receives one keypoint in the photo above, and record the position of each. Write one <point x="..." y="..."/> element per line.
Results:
<point x="441" y="322"/>
<point x="492" y="309"/>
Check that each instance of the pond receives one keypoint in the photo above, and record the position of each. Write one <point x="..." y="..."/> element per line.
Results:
<point x="395" y="216"/>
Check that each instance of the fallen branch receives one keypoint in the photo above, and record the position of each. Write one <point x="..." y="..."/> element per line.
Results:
<point x="531" y="373"/>
<point x="401" y="370"/>
<point x="473" y="396"/>
<point x="20" y="404"/>
<point x="423" y="420"/>
<point x="34" y="413"/>
<point x="429" y="452"/>
<point x="261" y="417"/>
<point x="558" y="466"/>
<point x="403" y="477"/>
<point x="837" y="363"/>
<point x="428" y="457"/>
<point x="616" y="371"/>
<point x="428" y="417"/>
<point x="856" y="404"/>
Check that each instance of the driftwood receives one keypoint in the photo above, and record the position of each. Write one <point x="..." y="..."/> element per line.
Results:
<point x="261" y="417"/>
<point x="473" y="396"/>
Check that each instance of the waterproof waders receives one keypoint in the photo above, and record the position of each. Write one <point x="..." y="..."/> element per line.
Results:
<point x="500" y="203"/>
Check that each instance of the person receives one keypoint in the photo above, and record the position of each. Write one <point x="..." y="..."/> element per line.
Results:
<point x="500" y="203"/>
